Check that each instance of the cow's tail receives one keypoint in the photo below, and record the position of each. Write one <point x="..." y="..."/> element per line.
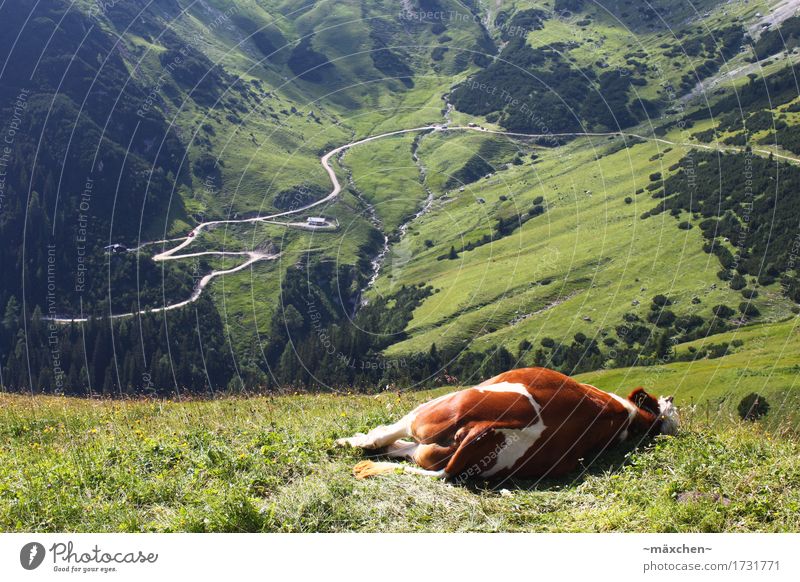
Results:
<point x="366" y="469"/>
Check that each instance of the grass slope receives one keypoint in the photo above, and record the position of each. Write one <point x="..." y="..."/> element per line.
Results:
<point x="579" y="267"/>
<point x="268" y="464"/>
<point x="767" y="362"/>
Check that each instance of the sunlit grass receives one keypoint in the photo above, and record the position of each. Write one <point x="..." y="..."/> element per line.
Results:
<point x="269" y="464"/>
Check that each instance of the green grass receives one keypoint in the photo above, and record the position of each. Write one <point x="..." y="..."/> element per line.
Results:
<point x="600" y="258"/>
<point x="767" y="362"/>
<point x="269" y="464"/>
<point x="388" y="179"/>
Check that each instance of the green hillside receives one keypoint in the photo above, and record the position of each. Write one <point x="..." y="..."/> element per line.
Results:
<point x="614" y="237"/>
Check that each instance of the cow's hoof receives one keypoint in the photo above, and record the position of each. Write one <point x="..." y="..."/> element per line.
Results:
<point x="353" y="441"/>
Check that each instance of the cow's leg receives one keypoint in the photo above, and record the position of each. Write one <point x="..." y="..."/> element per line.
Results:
<point x="381" y="436"/>
<point x="426" y="456"/>
<point x="402" y="449"/>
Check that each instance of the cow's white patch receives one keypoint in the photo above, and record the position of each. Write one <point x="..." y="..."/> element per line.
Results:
<point x="509" y="387"/>
<point x="516" y="442"/>
<point x="431" y="402"/>
<point x="630" y="407"/>
<point x="402" y="449"/>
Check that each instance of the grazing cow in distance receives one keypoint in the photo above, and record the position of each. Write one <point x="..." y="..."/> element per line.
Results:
<point x="531" y="422"/>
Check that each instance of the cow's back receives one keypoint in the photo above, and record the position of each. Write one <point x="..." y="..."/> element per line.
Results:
<point x="529" y="422"/>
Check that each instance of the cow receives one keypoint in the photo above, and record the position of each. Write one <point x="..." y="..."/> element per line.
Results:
<point x="525" y="423"/>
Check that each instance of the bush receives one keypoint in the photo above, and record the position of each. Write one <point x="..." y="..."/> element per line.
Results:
<point x="766" y="280"/>
<point x="655" y="176"/>
<point x="628" y="200"/>
<point x="723" y="311"/>
<point x="718" y="350"/>
<point x="737" y="282"/>
<point x="662" y="318"/>
<point x="548" y="342"/>
<point x="753" y="406"/>
<point x="749" y="293"/>
<point x="748" y="309"/>
<point x="536" y="210"/>
<point x="685" y="225"/>
<point x="661" y="300"/>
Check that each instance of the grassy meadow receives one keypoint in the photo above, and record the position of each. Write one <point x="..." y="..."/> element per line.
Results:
<point x="269" y="463"/>
<point x="579" y="267"/>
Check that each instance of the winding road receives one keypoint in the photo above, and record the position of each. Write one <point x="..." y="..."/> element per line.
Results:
<point x="255" y="256"/>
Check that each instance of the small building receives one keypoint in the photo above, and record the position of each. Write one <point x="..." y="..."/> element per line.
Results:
<point x="316" y="221"/>
<point x="115" y="248"/>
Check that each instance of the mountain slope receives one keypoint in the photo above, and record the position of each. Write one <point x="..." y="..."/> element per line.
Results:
<point x="452" y="250"/>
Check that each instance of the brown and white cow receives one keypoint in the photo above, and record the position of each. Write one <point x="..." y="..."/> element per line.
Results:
<point x="531" y="422"/>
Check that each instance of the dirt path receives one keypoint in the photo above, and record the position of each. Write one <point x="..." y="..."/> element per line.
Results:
<point x="256" y="256"/>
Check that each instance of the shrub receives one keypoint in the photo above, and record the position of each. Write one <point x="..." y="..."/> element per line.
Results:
<point x="685" y="225"/>
<point x="737" y="282"/>
<point x="723" y="311"/>
<point x="548" y="342"/>
<point x="718" y="350"/>
<point x="661" y="300"/>
<point x="748" y="309"/>
<point x="753" y="406"/>
<point x="628" y="200"/>
<point x="536" y="210"/>
<point x="662" y="318"/>
<point x="749" y="293"/>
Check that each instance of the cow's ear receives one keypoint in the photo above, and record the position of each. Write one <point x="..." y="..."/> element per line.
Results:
<point x="644" y="401"/>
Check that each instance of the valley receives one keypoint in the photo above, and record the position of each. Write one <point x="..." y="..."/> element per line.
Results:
<point x="233" y="232"/>
<point x="516" y="218"/>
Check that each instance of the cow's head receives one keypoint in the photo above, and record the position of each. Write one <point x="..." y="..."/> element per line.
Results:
<point x="663" y="409"/>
